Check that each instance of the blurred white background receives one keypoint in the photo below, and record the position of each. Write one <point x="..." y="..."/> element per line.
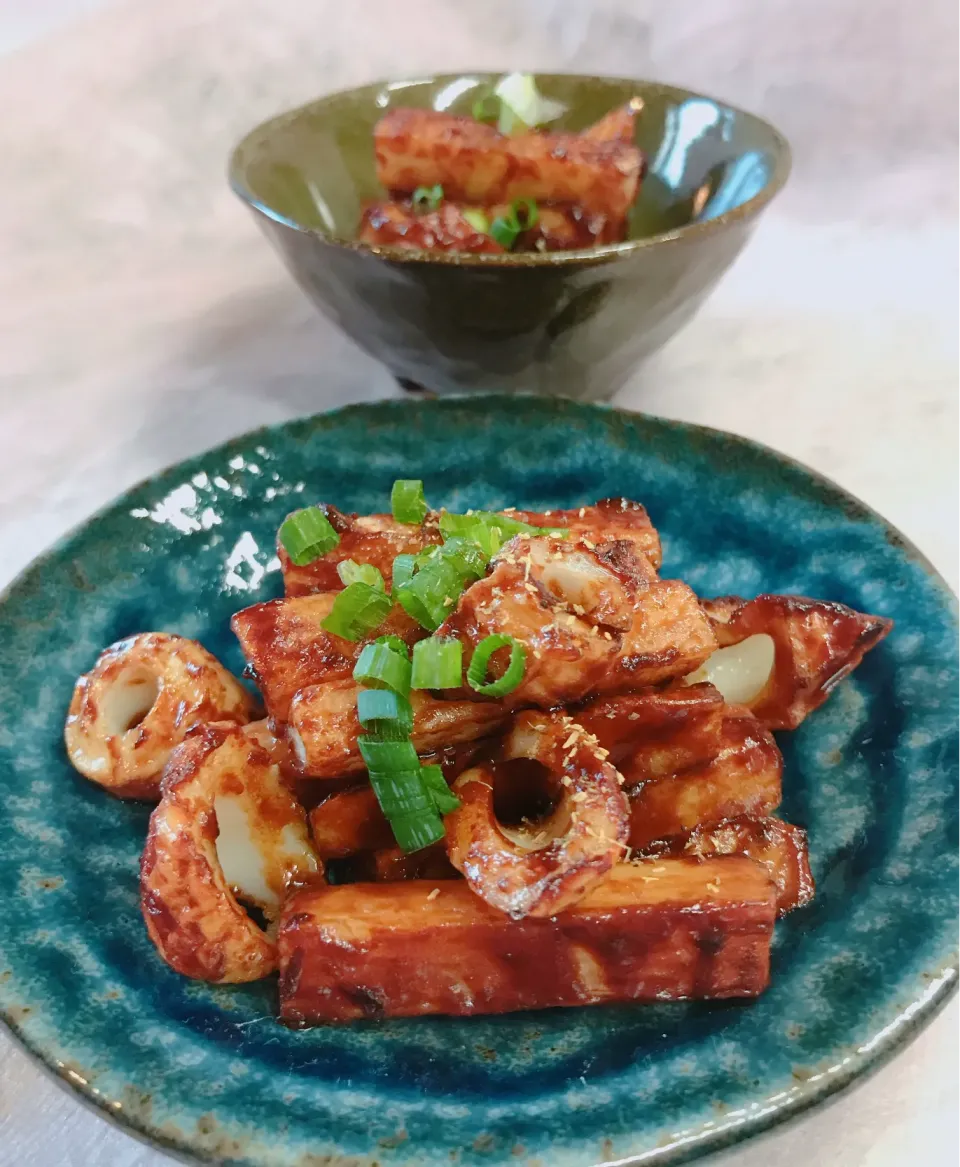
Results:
<point x="143" y="318"/>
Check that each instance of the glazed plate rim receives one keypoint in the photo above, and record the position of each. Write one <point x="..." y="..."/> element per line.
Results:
<point x="908" y="1017"/>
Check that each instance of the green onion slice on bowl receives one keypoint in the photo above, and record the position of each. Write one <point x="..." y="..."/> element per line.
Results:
<point x="406" y="499"/>
<point x="413" y="832"/>
<point x="507" y="229"/>
<point x="486" y="108"/>
<point x="380" y="666"/>
<point x="522" y="105"/>
<point x="385" y="714"/>
<point x="443" y="797"/>
<point x="432" y="593"/>
<point x="427" y="198"/>
<point x="437" y="664"/>
<point x="403" y="568"/>
<point x="352" y="572"/>
<point x="477" y="670"/>
<point x="357" y="611"/>
<point x="306" y="535"/>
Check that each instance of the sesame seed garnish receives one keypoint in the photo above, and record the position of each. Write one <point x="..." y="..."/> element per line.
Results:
<point x="433" y="895"/>
<point x="632" y="717"/>
<point x="572" y="738"/>
<point x="714" y="887"/>
<point x="582" y="512"/>
<point x="580" y="796"/>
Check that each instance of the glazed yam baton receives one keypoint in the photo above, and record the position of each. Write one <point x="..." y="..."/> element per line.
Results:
<point x="687" y="759"/>
<point x="475" y="164"/>
<point x="324" y="729"/>
<point x="657" y="930"/>
<point x="288" y="649"/>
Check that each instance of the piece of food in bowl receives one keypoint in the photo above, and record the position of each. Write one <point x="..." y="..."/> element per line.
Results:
<point x="782" y="656"/>
<point x="287" y="648"/>
<point x="137" y="704"/>
<point x="396" y="224"/>
<point x="780" y="847"/>
<point x="466" y="228"/>
<point x="657" y="930"/>
<point x="591" y="618"/>
<point x="743" y="777"/>
<point x="227" y="831"/>
<point x="324" y="729"/>
<point x="476" y="164"/>
<point x="550" y="865"/>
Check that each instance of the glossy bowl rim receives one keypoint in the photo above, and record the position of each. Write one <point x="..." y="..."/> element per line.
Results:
<point x="911" y="1018"/>
<point x="585" y="256"/>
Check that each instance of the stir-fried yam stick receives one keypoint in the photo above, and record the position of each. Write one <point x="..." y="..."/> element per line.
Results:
<point x="657" y="930"/>
<point x="778" y="846"/>
<point x="324" y="731"/>
<point x="476" y="164"/>
<point x="287" y="648"/>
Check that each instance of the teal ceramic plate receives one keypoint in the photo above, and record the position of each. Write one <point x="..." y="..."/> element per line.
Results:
<point x="207" y="1073"/>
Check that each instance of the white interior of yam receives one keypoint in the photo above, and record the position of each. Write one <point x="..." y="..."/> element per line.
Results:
<point x="128" y="700"/>
<point x="238" y="850"/>
<point x="740" y="671"/>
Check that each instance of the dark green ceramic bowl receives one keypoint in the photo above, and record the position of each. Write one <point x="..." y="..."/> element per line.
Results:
<point x="574" y="323"/>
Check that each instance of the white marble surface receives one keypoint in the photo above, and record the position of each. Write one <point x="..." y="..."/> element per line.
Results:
<point x="142" y="318"/>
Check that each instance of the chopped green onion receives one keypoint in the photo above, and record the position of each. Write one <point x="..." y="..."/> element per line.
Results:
<point x="522" y="105"/>
<point x="357" y="611"/>
<point x="486" y="108"/>
<point x="507" y="229"/>
<point x="477" y="220"/>
<point x="352" y="572"/>
<point x="465" y="555"/>
<point x="505" y="232"/>
<point x="385" y="757"/>
<point x="403" y="569"/>
<point x="437" y="664"/>
<point x="425" y="555"/>
<point x="427" y="198"/>
<point x="432" y="593"/>
<point x="490" y="530"/>
<point x="413" y="832"/>
<point x="443" y="797"/>
<point x="385" y="714"/>
<point x="400" y="791"/>
<point x="379" y="666"/>
<point x="306" y="535"/>
<point x="395" y="643"/>
<point x="476" y="673"/>
<point x="407" y="501"/>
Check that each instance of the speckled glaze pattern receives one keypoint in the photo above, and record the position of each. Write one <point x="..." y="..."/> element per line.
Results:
<point x="568" y="323"/>
<point x="209" y="1074"/>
